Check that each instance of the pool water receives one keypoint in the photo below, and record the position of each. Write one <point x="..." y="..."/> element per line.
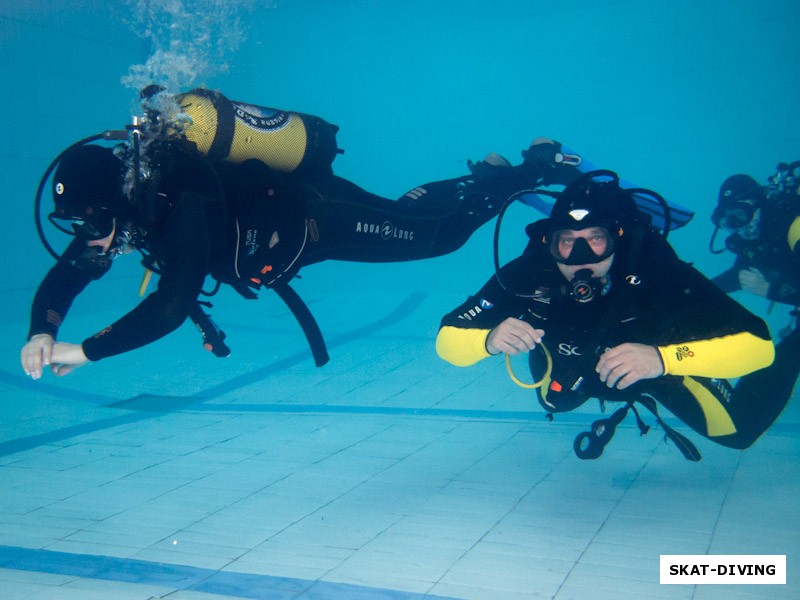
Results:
<point x="387" y="473"/>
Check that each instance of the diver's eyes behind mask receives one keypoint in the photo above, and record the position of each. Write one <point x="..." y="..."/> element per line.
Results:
<point x="582" y="247"/>
<point x="736" y="217"/>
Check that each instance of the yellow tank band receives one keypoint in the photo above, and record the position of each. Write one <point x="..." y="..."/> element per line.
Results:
<point x="724" y="357"/>
<point x="462" y="347"/>
<point x="794" y="234"/>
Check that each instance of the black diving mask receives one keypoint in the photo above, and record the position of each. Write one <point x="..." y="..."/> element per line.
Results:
<point x="582" y="247"/>
<point x="734" y="216"/>
<point x="92" y="227"/>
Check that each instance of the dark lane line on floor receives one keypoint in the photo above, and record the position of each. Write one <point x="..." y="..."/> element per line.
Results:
<point x="175" y="403"/>
<point x="190" y="579"/>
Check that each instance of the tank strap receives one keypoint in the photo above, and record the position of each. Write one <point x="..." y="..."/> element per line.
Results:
<point x="223" y="138"/>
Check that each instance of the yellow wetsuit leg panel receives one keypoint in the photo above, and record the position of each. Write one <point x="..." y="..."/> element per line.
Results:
<point x="718" y="421"/>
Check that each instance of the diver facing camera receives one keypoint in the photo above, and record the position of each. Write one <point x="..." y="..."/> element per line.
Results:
<point x="583" y="257"/>
<point x="620" y="318"/>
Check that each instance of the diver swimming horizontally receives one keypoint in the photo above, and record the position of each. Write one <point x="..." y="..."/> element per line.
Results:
<point x="607" y="310"/>
<point x="246" y="195"/>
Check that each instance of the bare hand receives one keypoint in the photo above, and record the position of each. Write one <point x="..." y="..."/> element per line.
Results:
<point x="753" y="281"/>
<point x="36" y="354"/>
<point x="513" y="336"/>
<point x="624" y="365"/>
<point x="66" y="358"/>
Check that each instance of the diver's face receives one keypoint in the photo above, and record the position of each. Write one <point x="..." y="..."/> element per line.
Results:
<point x="742" y="218"/>
<point x="752" y="229"/>
<point x="86" y="223"/>
<point x="598" y="269"/>
<point x="105" y="243"/>
<point x="598" y="241"/>
<point x="596" y="237"/>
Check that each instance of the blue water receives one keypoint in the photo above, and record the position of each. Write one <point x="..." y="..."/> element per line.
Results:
<point x="674" y="95"/>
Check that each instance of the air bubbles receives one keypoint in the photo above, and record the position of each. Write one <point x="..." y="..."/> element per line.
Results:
<point x="189" y="41"/>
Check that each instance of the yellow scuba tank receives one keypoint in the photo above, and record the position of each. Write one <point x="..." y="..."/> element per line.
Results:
<point x="234" y="131"/>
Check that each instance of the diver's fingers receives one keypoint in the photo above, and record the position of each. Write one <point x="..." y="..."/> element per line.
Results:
<point x="615" y="374"/>
<point x="35" y="354"/>
<point x="624" y="365"/>
<point x="513" y="336"/>
<point x="61" y="369"/>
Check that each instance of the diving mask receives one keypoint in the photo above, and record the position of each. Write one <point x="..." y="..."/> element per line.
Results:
<point x="581" y="247"/>
<point x="91" y="226"/>
<point x="734" y="216"/>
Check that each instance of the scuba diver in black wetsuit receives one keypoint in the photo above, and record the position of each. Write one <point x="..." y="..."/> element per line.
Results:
<point x="242" y="222"/>
<point x="764" y="226"/>
<point x="614" y="314"/>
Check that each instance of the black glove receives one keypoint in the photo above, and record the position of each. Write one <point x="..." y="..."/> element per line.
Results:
<point x="555" y="166"/>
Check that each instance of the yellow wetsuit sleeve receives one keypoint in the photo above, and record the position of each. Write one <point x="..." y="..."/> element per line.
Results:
<point x="724" y="357"/>
<point x="462" y="347"/>
<point x="794" y="233"/>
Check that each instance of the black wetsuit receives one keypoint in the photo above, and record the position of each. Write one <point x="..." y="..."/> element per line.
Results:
<point x="776" y="254"/>
<point x="250" y="226"/>
<point x="653" y="299"/>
